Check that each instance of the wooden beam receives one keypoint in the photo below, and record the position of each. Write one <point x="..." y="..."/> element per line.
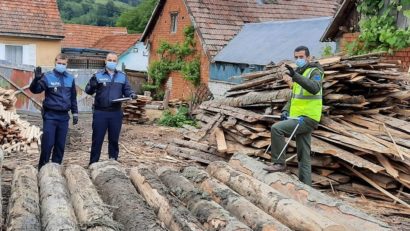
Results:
<point x="374" y="184"/>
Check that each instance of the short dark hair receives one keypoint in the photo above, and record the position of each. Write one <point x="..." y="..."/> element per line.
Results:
<point x="61" y="56"/>
<point x="303" y="48"/>
<point x="111" y="53"/>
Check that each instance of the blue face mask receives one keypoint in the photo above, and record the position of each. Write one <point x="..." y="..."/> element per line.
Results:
<point x="111" y="65"/>
<point x="60" y="68"/>
<point x="300" y="62"/>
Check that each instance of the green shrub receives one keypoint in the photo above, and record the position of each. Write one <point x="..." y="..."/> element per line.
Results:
<point x="176" y="120"/>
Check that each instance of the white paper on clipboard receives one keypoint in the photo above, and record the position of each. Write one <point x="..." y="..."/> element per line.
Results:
<point x="121" y="100"/>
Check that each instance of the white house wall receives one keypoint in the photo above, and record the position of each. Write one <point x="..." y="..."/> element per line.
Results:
<point x="135" y="58"/>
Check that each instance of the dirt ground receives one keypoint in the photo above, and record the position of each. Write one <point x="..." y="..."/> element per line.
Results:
<point x="145" y="144"/>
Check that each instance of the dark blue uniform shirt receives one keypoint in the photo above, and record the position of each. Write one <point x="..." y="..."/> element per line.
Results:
<point x="108" y="89"/>
<point x="60" y="94"/>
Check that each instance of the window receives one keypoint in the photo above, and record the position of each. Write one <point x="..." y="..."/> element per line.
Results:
<point x="14" y="54"/>
<point x="174" y="22"/>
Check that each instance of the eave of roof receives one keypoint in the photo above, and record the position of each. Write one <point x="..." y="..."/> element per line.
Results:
<point x="152" y="20"/>
<point x="25" y="35"/>
<point x="331" y="31"/>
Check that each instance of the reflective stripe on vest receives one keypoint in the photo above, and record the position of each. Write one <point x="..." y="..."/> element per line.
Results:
<point x="304" y="103"/>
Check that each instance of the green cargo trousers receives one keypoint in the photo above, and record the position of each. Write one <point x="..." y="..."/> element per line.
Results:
<point x="303" y="138"/>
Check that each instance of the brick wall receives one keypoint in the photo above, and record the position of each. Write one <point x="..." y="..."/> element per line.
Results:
<point x="180" y="88"/>
<point x="403" y="55"/>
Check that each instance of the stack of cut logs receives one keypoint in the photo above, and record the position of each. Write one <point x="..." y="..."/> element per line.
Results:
<point x="365" y="125"/>
<point x="225" y="196"/>
<point x="15" y="133"/>
<point x="134" y="110"/>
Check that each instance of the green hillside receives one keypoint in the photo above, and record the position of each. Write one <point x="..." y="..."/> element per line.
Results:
<point x="94" y="12"/>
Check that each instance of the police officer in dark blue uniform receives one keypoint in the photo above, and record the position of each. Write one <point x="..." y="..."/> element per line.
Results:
<point x="60" y="98"/>
<point x="108" y="84"/>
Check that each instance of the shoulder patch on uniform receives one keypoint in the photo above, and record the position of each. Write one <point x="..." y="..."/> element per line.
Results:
<point x="317" y="77"/>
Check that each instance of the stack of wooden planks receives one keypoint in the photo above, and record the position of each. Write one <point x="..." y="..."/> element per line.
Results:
<point x="134" y="110"/>
<point x="16" y="135"/>
<point x="364" y="136"/>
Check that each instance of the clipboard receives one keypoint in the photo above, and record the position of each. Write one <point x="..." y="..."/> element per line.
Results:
<point x="121" y="100"/>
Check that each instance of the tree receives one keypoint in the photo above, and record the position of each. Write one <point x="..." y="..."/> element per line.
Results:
<point x="137" y="18"/>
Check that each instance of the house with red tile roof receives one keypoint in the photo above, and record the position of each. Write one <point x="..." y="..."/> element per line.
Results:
<point x="30" y="32"/>
<point x="216" y="23"/>
<point x="102" y="39"/>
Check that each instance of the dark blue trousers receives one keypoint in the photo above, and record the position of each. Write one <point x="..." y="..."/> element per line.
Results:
<point x="103" y="121"/>
<point x="54" y="137"/>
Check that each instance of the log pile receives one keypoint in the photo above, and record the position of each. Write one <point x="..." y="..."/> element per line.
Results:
<point x="365" y="125"/>
<point x="134" y="110"/>
<point x="116" y="190"/>
<point x="226" y="196"/>
<point x="16" y="135"/>
<point x="91" y="212"/>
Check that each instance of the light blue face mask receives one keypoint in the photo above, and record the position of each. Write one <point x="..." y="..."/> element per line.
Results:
<point x="300" y="62"/>
<point x="111" y="65"/>
<point x="60" y="68"/>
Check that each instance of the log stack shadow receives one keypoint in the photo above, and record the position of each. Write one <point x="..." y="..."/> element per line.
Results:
<point x="233" y="195"/>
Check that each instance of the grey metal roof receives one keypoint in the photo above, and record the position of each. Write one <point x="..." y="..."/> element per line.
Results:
<point x="260" y="43"/>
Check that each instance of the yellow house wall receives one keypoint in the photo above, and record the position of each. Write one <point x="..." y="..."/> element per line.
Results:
<point x="46" y="50"/>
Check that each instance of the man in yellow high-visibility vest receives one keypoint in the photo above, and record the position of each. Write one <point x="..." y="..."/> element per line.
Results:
<point x="304" y="108"/>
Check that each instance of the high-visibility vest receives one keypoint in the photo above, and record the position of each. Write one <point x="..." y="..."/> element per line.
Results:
<point x="303" y="103"/>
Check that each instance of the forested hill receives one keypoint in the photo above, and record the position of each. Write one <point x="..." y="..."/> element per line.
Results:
<point x="133" y="14"/>
<point x="94" y="12"/>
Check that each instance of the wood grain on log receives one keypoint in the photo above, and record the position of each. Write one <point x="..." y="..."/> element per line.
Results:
<point x="117" y="191"/>
<point x="24" y="209"/>
<point x="209" y="213"/>
<point x="57" y="212"/>
<point x="237" y="205"/>
<point x="89" y="208"/>
<point x="286" y="210"/>
<point x="168" y="209"/>
<point x="334" y="209"/>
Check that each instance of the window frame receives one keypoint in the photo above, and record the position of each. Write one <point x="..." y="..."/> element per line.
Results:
<point x="7" y="54"/>
<point x="174" y="22"/>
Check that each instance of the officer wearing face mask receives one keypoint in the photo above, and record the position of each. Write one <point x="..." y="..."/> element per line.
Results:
<point x="107" y="85"/>
<point x="304" y="108"/>
<point x="60" y="98"/>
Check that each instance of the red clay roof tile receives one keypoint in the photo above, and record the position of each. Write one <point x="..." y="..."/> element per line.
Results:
<point x="39" y="18"/>
<point x="117" y="43"/>
<point x="86" y="36"/>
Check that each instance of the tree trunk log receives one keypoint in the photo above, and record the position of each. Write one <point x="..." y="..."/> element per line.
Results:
<point x="336" y="210"/>
<point x="287" y="211"/>
<point x="90" y="209"/>
<point x="57" y="213"/>
<point x="242" y="114"/>
<point x="209" y="213"/>
<point x="255" y="82"/>
<point x="24" y="209"/>
<point x="195" y="145"/>
<point x="169" y="210"/>
<point x="192" y="154"/>
<point x="117" y="190"/>
<point x="237" y="205"/>
<point x="252" y="98"/>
